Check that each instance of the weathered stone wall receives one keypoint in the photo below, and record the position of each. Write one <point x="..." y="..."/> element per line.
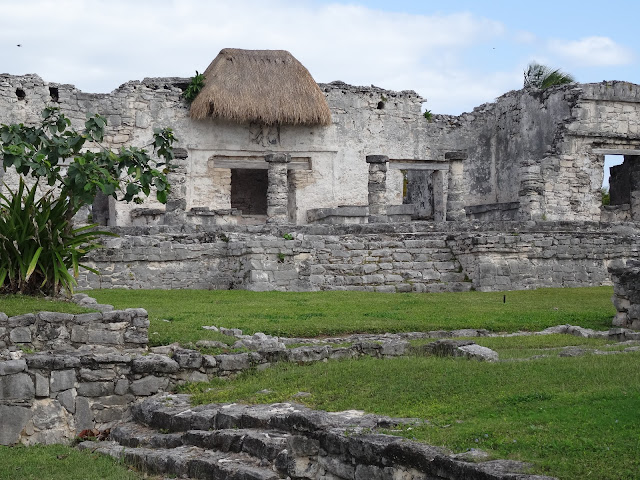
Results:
<point x="626" y="293"/>
<point x="415" y="257"/>
<point x="542" y="152"/>
<point x="365" y="120"/>
<point x="50" y="397"/>
<point x="542" y="149"/>
<point x="60" y="331"/>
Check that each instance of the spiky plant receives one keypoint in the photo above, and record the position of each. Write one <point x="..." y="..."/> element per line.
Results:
<point x="542" y="76"/>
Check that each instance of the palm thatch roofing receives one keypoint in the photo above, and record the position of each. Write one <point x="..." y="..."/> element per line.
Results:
<point x="263" y="86"/>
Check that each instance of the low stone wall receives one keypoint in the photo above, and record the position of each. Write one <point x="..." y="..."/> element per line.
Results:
<point x="62" y="331"/>
<point x="49" y="397"/>
<point x="404" y="257"/>
<point x="626" y="293"/>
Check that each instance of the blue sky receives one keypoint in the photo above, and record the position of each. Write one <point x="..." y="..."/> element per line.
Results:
<point x="456" y="54"/>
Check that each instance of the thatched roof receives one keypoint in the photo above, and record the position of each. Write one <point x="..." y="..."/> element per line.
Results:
<point x="265" y="86"/>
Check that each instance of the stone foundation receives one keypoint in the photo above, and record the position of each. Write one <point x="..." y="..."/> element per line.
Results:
<point x="402" y="257"/>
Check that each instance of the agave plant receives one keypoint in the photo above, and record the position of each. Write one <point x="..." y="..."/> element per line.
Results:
<point x="541" y="76"/>
<point x="39" y="250"/>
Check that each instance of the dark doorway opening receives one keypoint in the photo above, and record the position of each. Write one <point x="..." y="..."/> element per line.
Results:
<point x="624" y="182"/>
<point x="418" y="190"/>
<point x="249" y="191"/>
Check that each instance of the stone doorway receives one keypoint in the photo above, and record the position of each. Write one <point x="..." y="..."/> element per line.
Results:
<point x="623" y="166"/>
<point x="249" y="191"/>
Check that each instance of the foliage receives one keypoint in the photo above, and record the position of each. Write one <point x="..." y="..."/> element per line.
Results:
<point x="42" y="152"/>
<point x="194" y="87"/>
<point x="542" y="77"/>
<point x="287" y="236"/>
<point x="38" y="236"/>
<point x="428" y="115"/>
<point x="37" y="249"/>
<point x="568" y="416"/>
<point x="308" y="314"/>
<point x="606" y="196"/>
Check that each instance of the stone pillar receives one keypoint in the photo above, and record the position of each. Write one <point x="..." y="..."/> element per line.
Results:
<point x="377" y="187"/>
<point x="530" y="194"/>
<point x="278" y="189"/>
<point x="439" y="199"/>
<point x="455" y="192"/>
<point x="626" y="293"/>
<point x="177" y="198"/>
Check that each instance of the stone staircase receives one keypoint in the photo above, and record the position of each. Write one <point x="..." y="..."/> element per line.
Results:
<point x="281" y="441"/>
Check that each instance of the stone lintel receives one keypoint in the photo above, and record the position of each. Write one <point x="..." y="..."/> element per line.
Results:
<point x="418" y="165"/>
<point x="277" y="158"/>
<point x="456" y="155"/>
<point x="616" y="151"/>
<point x="377" y="159"/>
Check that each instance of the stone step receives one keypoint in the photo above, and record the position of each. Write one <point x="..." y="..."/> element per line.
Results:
<point x="173" y="413"/>
<point x="263" y="444"/>
<point x="269" y="442"/>
<point x="186" y="461"/>
<point x="137" y="435"/>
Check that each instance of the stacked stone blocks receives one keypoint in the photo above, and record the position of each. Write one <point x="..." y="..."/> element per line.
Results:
<point x="626" y="293"/>
<point x="60" y="331"/>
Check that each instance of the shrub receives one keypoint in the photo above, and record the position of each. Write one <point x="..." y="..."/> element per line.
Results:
<point x="194" y="87"/>
<point x="37" y="248"/>
<point x="38" y="240"/>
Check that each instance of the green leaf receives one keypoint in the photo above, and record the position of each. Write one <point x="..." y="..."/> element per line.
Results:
<point x="33" y="264"/>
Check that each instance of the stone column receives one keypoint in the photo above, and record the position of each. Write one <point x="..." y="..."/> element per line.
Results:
<point x="278" y="189"/>
<point x="377" y="187"/>
<point x="455" y="192"/>
<point x="439" y="197"/>
<point x="530" y="194"/>
<point x="177" y="198"/>
<point x="626" y="292"/>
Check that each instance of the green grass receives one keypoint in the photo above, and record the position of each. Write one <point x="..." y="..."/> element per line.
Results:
<point x="19" y="304"/>
<point x="574" y="418"/>
<point x="334" y="313"/>
<point x="57" y="462"/>
<point x="528" y="346"/>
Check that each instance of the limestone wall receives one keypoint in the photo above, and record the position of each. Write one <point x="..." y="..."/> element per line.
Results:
<point x="538" y="152"/>
<point x="60" y="331"/>
<point x="365" y="120"/>
<point x="50" y="397"/>
<point x="414" y="257"/>
<point x="543" y="149"/>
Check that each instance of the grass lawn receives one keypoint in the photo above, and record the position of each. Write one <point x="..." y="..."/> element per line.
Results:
<point x="312" y="314"/>
<point x="19" y="304"/>
<point x="57" y="462"/>
<point x="572" y="417"/>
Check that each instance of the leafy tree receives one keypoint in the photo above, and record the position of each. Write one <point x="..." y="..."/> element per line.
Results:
<point x="38" y="242"/>
<point x="541" y="76"/>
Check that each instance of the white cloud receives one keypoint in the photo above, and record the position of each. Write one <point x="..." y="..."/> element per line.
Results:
<point x="525" y="37"/>
<point x="593" y="51"/>
<point x="99" y="45"/>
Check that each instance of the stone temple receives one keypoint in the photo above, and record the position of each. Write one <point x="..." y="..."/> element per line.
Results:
<point x="374" y="195"/>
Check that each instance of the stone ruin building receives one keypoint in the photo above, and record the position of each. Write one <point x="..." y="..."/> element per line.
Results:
<point x="373" y="195"/>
